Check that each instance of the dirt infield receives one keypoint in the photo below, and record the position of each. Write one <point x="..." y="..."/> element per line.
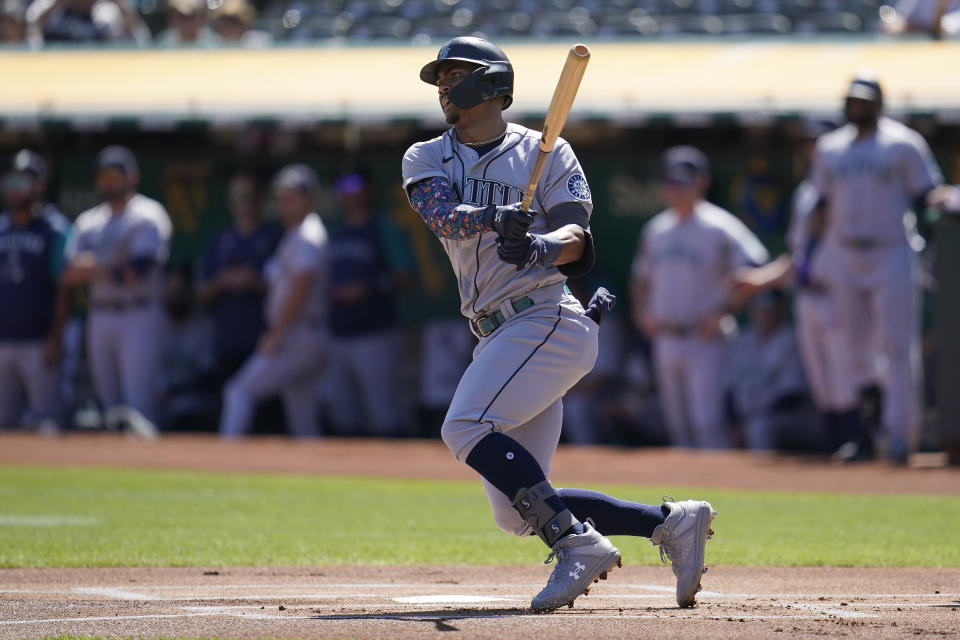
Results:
<point x="473" y="602"/>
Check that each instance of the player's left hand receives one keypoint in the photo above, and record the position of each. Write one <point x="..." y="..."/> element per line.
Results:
<point x="532" y="250"/>
<point x="515" y="251"/>
<point x="600" y="305"/>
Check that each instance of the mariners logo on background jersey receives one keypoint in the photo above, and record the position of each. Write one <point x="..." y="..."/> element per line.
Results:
<point x="578" y="187"/>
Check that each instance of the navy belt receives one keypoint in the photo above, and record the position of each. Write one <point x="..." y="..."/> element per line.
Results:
<point x="486" y="325"/>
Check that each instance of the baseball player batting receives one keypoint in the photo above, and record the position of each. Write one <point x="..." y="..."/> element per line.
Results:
<point x="535" y="339"/>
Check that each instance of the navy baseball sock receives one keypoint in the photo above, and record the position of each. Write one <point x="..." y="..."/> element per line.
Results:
<point x="507" y="465"/>
<point x="612" y="516"/>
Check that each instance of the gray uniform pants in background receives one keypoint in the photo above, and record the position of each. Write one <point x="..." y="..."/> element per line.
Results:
<point x="692" y="384"/>
<point x="363" y="393"/>
<point x="22" y="369"/>
<point x="293" y="372"/>
<point x="123" y="348"/>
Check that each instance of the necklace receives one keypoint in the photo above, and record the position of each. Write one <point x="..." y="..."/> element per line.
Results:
<point x="483" y="142"/>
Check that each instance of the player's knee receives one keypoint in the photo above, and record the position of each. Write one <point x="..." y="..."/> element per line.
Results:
<point x="509" y="521"/>
<point x="460" y="435"/>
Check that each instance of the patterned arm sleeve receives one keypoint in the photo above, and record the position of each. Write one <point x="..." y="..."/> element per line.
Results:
<point x="436" y="203"/>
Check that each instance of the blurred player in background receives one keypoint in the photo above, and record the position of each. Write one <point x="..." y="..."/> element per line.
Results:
<point x="32" y="238"/>
<point x="187" y="384"/>
<point x="231" y="283"/>
<point x="820" y="336"/>
<point x="680" y="301"/>
<point x="768" y="389"/>
<point x="868" y="175"/>
<point x="291" y="355"/>
<point x="365" y="275"/>
<point x="119" y="248"/>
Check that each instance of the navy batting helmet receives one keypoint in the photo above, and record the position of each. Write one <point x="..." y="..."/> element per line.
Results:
<point x="493" y="76"/>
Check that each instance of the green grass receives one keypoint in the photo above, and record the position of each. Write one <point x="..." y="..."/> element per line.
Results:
<point x="57" y="517"/>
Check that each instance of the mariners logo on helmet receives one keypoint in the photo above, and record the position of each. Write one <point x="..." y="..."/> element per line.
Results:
<point x="578" y="187"/>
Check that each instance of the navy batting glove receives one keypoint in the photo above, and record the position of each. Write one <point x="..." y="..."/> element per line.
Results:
<point x="513" y="251"/>
<point x="533" y="250"/>
<point x="600" y="305"/>
<point x="510" y="221"/>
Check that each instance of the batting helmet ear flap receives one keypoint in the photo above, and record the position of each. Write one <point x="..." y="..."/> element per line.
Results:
<point x="483" y="83"/>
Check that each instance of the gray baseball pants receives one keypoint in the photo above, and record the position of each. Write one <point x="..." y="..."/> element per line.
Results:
<point x="293" y="372"/>
<point x="514" y="385"/>
<point x="22" y="369"/>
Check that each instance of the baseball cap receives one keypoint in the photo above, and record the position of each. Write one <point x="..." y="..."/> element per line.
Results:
<point x="865" y="87"/>
<point x="683" y="164"/>
<point x="118" y="157"/>
<point x="299" y="177"/>
<point x="350" y="183"/>
<point x="28" y="161"/>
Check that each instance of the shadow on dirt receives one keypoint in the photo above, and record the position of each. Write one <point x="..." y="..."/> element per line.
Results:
<point x="440" y="619"/>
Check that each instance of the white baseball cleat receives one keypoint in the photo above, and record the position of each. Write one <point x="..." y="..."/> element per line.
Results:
<point x="683" y="538"/>
<point x="582" y="559"/>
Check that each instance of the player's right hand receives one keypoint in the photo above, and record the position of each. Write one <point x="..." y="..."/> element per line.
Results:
<point x="600" y="305"/>
<point x="510" y="221"/>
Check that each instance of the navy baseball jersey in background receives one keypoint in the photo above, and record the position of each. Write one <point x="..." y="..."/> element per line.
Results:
<point x="239" y="316"/>
<point x="358" y="255"/>
<point x="30" y="259"/>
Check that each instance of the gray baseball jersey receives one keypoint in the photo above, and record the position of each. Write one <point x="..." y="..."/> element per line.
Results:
<point x="871" y="183"/>
<point x="303" y="248"/>
<point x="142" y="230"/>
<point x="497" y="178"/>
<point x="805" y="198"/>
<point x="124" y="322"/>
<point x="685" y="262"/>
<point x="295" y="368"/>
<point x="520" y="372"/>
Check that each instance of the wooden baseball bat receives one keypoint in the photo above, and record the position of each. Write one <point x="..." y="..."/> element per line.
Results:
<point x="557" y="114"/>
